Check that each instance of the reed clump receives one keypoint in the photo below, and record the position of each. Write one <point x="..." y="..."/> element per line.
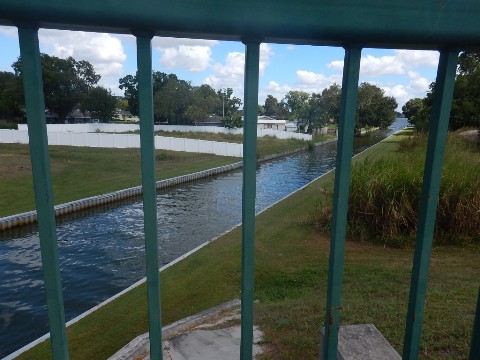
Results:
<point x="385" y="196"/>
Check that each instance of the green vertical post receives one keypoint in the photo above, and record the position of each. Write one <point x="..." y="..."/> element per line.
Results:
<point x="252" y="61"/>
<point x="348" y="109"/>
<point x="475" y="345"/>
<point x="42" y="183"/>
<point x="147" y="142"/>
<point x="442" y="104"/>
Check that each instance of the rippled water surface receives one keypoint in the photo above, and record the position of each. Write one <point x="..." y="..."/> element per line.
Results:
<point x="102" y="252"/>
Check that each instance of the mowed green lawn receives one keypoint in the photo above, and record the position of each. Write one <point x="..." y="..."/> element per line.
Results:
<point x="291" y="265"/>
<point x="80" y="172"/>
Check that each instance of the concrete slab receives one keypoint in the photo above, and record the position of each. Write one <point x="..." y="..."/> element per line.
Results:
<point x="220" y="344"/>
<point x="363" y="342"/>
<point x="213" y="334"/>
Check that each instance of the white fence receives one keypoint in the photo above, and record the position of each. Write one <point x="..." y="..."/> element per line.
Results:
<point x="126" y="141"/>
<point x="119" y="128"/>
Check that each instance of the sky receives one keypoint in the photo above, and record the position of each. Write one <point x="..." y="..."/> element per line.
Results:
<point x="403" y="74"/>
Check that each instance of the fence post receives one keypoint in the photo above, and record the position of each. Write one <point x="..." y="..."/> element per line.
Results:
<point x="147" y="148"/>
<point x="348" y="109"/>
<point x="42" y="182"/>
<point x="252" y="60"/>
<point x="437" y="137"/>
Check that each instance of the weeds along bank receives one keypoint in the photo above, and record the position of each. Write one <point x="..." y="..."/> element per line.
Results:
<point x="385" y="195"/>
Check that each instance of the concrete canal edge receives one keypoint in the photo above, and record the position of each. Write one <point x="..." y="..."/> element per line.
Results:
<point x="30" y="217"/>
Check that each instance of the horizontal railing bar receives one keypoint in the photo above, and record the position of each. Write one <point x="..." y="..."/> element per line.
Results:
<point x="426" y="24"/>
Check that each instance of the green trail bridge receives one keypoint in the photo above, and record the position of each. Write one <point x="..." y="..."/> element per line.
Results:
<point x="448" y="26"/>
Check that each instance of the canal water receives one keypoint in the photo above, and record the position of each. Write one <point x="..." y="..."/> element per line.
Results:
<point x="102" y="251"/>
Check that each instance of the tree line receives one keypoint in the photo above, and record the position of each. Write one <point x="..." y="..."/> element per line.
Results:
<point x="67" y="84"/>
<point x="70" y="84"/>
<point x="178" y="102"/>
<point x="311" y="111"/>
<point x="466" y="98"/>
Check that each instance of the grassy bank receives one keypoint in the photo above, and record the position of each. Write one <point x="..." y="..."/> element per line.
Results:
<point x="290" y="283"/>
<point x="80" y="172"/>
<point x="385" y="194"/>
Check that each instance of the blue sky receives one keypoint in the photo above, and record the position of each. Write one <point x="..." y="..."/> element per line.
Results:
<point x="402" y="74"/>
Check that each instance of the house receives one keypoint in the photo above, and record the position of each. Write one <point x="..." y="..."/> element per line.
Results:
<point x="124" y="115"/>
<point x="212" y="120"/>
<point x="75" y="117"/>
<point x="267" y="122"/>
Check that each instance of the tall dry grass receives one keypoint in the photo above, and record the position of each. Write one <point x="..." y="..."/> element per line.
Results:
<point x="385" y="195"/>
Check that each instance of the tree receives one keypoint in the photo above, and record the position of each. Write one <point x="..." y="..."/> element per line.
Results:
<point x="122" y="104"/>
<point x="271" y="106"/>
<point x="172" y="99"/>
<point x="374" y="108"/>
<point x="412" y="107"/>
<point x="204" y="103"/>
<point x="129" y="84"/>
<point x="466" y="98"/>
<point x="261" y="110"/>
<point x="11" y="96"/>
<point x="329" y="104"/>
<point x="296" y="102"/>
<point x="65" y="82"/>
<point x="233" y="121"/>
<point x="100" y="103"/>
<point x="228" y="104"/>
<point x="322" y="108"/>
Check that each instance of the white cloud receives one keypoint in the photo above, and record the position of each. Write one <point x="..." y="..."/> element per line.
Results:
<point x="416" y="58"/>
<point x="315" y="82"/>
<point x="307" y="81"/>
<point x="374" y="66"/>
<point x="400" y="63"/>
<point x="192" y="58"/>
<point x="9" y="31"/>
<point x="230" y="74"/>
<point x="384" y="65"/>
<point x="417" y="87"/>
<point x="169" y="42"/>
<point x="104" y="51"/>
<point x="180" y="53"/>
<point x="266" y="53"/>
<point x="399" y="92"/>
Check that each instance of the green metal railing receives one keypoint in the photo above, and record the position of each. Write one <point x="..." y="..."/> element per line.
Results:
<point x="446" y="26"/>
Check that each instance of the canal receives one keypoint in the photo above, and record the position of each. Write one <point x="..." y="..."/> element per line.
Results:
<point x="102" y="251"/>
